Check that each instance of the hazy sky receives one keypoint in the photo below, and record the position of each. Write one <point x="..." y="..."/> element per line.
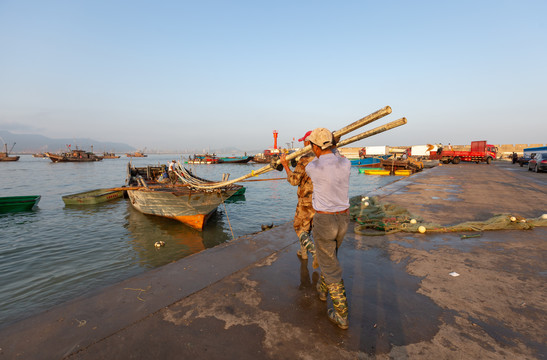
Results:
<point x="210" y="74"/>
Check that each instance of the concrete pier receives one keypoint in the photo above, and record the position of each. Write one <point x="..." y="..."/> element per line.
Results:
<point x="254" y="298"/>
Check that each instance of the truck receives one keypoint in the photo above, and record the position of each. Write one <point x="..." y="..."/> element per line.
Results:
<point x="422" y="151"/>
<point x="368" y="151"/>
<point x="480" y="151"/>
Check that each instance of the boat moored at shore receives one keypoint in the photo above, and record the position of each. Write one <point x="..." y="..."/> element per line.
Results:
<point x="180" y="201"/>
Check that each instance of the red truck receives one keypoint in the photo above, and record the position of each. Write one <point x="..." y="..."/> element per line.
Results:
<point x="480" y="151"/>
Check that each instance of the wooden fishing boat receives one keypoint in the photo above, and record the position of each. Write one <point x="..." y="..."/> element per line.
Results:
<point x="74" y="155"/>
<point x="261" y="159"/>
<point x="136" y="154"/>
<point x="92" y="197"/>
<point x="183" y="201"/>
<point x="403" y="164"/>
<point x="266" y="156"/>
<point x="39" y="155"/>
<point x="203" y="159"/>
<point x="108" y="155"/>
<point x="4" y="156"/>
<point x="235" y="159"/>
<point x="18" y="203"/>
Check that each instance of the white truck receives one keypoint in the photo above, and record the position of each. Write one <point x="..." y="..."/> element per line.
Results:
<point x="422" y="150"/>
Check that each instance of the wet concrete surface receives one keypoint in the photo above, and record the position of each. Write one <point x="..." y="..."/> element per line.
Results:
<point x="254" y="298"/>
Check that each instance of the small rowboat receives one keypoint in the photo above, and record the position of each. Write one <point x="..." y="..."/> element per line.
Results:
<point x="18" y="203"/>
<point x="377" y="172"/>
<point x="92" y="197"/>
<point x="403" y="172"/>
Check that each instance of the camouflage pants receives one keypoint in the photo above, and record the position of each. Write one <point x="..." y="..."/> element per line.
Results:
<point x="303" y="218"/>
<point x="172" y="177"/>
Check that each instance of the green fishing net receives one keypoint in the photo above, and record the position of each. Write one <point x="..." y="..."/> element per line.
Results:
<point x="374" y="217"/>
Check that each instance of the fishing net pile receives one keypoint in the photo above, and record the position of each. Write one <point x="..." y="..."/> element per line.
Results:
<point x="374" y="217"/>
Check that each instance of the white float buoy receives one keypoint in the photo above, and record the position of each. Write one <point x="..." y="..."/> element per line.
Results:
<point x="366" y="203"/>
<point x="513" y="218"/>
<point x="413" y="221"/>
<point x="422" y="229"/>
<point x="159" y="244"/>
<point x="544" y="216"/>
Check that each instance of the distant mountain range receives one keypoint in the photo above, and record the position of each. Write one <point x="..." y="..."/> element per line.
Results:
<point x="30" y="144"/>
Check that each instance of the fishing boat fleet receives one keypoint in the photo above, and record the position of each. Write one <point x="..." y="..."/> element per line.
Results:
<point x="174" y="192"/>
<point x="188" y="199"/>
<point x="151" y="191"/>
<point x="70" y="155"/>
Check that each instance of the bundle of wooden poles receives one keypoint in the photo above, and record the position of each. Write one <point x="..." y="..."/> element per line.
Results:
<point x="339" y="143"/>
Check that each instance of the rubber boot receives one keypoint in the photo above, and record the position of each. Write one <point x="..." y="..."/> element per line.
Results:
<point x="303" y="253"/>
<point x="322" y="288"/>
<point x="307" y="243"/>
<point x="338" y="315"/>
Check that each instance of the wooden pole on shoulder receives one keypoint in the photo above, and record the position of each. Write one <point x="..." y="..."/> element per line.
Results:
<point x="337" y="134"/>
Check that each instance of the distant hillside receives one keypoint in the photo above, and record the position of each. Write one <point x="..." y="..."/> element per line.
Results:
<point x="30" y="144"/>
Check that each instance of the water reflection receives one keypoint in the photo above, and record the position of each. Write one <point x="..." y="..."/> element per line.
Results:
<point x="180" y="240"/>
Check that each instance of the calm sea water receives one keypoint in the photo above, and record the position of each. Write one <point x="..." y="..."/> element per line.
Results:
<point x="58" y="252"/>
